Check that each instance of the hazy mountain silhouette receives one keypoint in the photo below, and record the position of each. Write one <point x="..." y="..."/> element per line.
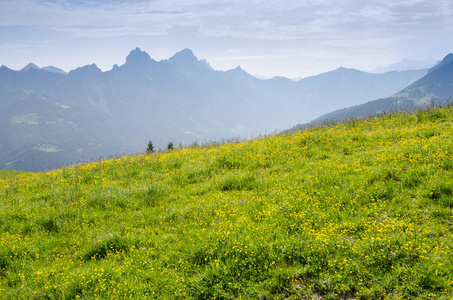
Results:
<point x="346" y="87"/>
<point x="54" y="70"/>
<point x="30" y="66"/>
<point x="407" y="64"/>
<point x="50" y="118"/>
<point x="448" y="59"/>
<point x="434" y="88"/>
<point x="48" y="68"/>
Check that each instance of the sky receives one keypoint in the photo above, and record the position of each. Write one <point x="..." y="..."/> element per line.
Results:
<point x="290" y="38"/>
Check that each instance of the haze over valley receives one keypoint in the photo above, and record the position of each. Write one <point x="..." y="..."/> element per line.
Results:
<point x="52" y="118"/>
<point x="435" y="88"/>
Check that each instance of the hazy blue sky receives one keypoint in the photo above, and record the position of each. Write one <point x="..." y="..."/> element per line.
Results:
<point x="282" y="37"/>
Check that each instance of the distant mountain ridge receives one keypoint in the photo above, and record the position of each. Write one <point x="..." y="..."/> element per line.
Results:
<point x="48" y="118"/>
<point x="48" y="68"/>
<point x="434" y="88"/>
<point x="448" y="59"/>
<point x="405" y="65"/>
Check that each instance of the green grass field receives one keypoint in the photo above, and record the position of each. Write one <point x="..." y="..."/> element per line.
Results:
<point x="7" y="173"/>
<point x="357" y="210"/>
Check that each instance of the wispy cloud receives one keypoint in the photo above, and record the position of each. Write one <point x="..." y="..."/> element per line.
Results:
<point x="237" y="18"/>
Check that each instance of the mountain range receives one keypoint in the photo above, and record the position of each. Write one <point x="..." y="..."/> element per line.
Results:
<point x="436" y="88"/>
<point x="48" y="68"/>
<point x="407" y="64"/>
<point x="50" y="118"/>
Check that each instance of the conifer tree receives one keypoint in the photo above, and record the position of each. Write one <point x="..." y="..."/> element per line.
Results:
<point x="150" y="147"/>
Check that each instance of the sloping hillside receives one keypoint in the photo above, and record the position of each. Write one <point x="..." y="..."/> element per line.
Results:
<point x="434" y="88"/>
<point x="358" y="210"/>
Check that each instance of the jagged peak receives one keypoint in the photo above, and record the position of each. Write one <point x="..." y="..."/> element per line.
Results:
<point x="30" y="66"/>
<point x="238" y="69"/>
<point x="92" y="69"/>
<point x="206" y="64"/>
<point x="138" y="57"/>
<point x="5" y="69"/>
<point x="184" y="56"/>
<point x="186" y="59"/>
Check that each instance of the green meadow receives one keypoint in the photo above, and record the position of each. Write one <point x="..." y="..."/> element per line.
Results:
<point x="356" y="210"/>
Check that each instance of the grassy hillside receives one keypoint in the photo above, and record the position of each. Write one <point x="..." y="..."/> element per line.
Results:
<point x="358" y="210"/>
<point x="7" y="173"/>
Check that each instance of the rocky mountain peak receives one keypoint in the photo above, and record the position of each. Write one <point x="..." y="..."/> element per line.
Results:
<point x="138" y="57"/>
<point x="29" y="67"/>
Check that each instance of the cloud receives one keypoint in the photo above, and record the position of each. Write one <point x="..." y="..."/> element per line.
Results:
<point x="110" y="31"/>
<point x="70" y="16"/>
<point x="257" y="19"/>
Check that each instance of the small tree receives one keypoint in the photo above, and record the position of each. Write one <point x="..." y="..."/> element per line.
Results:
<point x="170" y="146"/>
<point x="150" y="147"/>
